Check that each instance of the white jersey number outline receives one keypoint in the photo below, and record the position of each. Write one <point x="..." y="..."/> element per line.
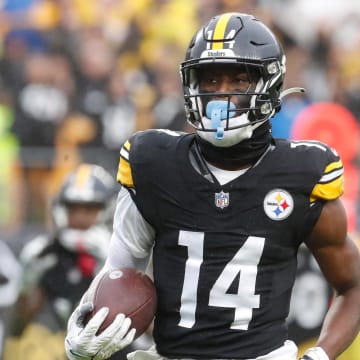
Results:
<point x="243" y="264"/>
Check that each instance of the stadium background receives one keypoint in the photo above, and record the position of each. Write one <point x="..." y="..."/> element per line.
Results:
<point x="77" y="77"/>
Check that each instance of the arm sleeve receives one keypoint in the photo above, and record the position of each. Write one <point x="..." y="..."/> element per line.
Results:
<point x="132" y="239"/>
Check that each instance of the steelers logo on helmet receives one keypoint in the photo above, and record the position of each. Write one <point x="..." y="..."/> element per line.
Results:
<point x="278" y="204"/>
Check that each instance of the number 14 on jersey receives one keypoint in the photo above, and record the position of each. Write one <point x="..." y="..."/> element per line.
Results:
<point x="244" y="265"/>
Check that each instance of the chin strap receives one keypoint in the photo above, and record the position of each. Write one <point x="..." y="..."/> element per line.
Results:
<point x="287" y="92"/>
<point x="291" y="91"/>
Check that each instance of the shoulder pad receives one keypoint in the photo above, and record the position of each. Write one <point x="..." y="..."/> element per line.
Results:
<point x="140" y="142"/>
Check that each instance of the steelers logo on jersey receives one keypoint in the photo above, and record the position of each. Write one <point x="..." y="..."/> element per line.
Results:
<point x="278" y="204"/>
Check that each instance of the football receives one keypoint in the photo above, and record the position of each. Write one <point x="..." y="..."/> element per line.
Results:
<point x="127" y="291"/>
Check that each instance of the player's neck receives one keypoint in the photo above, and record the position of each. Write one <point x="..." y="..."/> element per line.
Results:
<point x="240" y="156"/>
<point x="229" y="167"/>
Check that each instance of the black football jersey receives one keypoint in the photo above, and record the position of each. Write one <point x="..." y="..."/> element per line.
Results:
<point x="224" y="256"/>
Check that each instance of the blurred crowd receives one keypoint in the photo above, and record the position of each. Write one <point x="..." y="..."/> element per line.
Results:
<point x="78" y="77"/>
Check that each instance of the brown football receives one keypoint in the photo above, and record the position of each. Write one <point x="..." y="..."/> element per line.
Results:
<point x="128" y="291"/>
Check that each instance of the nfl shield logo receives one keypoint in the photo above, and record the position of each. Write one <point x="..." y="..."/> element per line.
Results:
<point x="222" y="199"/>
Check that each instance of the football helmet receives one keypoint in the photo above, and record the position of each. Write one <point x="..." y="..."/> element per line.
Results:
<point x="88" y="185"/>
<point x="233" y="40"/>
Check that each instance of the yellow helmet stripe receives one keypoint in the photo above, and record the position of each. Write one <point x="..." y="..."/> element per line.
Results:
<point x="82" y="175"/>
<point x="219" y="31"/>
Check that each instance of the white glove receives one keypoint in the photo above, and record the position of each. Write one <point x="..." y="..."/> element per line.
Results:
<point x="82" y="343"/>
<point x="315" y="353"/>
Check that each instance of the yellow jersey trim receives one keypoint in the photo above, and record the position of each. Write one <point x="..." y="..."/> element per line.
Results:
<point x="124" y="174"/>
<point x="127" y="145"/>
<point x="333" y="166"/>
<point x="328" y="191"/>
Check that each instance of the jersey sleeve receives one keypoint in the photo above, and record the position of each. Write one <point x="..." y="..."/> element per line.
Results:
<point x="131" y="231"/>
<point x="330" y="185"/>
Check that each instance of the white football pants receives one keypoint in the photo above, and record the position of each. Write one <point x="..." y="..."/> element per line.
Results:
<point x="286" y="352"/>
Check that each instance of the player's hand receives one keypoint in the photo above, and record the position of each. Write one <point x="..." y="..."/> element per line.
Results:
<point x="315" y="353"/>
<point x="82" y="343"/>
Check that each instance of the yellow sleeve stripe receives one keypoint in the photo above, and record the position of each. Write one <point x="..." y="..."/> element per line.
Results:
<point x="332" y="166"/>
<point x="329" y="190"/>
<point x="331" y="176"/>
<point x="332" y="172"/>
<point x="127" y="145"/>
<point x="124" y="174"/>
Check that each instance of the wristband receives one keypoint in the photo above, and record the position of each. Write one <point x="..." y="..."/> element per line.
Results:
<point x="315" y="353"/>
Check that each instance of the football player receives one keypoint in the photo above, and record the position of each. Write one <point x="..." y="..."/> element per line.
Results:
<point x="223" y="211"/>
<point x="60" y="266"/>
